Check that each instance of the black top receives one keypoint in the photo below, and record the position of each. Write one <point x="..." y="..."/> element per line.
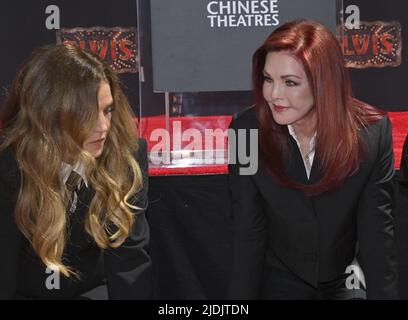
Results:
<point x="403" y="173"/>
<point x="401" y="215"/>
<point x="315" y="237"/>
<point x="125" y="270"/>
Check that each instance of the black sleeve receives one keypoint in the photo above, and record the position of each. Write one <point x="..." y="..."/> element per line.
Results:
<point x="249" y="233"/>
<point x="403" y="174"/>
<point x="10" y="236"/>
<point x="128" y="268"/>
<point x="376" y="222"/>
<point x="401" y="217"/>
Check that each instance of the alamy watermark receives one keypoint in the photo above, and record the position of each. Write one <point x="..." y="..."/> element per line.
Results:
<point x="356" y="277"/>
<point x="52" y="22"/>
<point x="52" y="282"/>
<point x="205" y="147"/>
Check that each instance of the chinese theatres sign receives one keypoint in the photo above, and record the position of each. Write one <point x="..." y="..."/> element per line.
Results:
<point x="207" y="45"/>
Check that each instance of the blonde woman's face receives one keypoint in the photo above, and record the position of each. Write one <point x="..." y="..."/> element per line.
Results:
<point x="95" y="142"/>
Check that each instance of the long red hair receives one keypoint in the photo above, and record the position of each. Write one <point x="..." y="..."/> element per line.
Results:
<point x="339" y="148"/>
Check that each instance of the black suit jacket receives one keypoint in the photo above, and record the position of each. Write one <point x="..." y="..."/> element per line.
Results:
<point x="126" y="270"/>
<point x="315" y="237"/>
<point x="402" y="222"/>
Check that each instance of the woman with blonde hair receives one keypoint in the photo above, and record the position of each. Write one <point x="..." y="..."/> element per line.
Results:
<point x="73" y="183"/>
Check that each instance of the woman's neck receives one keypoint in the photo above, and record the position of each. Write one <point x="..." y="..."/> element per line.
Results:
<point x="304" y="133"/>
<point x="306" y="127"/>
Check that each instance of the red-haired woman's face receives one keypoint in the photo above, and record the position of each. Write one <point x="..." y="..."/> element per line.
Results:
<point x="95" y="143"/>
<point x="287" y="90"/>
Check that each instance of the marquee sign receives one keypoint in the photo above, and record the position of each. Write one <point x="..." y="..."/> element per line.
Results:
<point x="115" y="46"/>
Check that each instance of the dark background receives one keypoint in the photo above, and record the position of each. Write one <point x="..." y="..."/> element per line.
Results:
<point x="22" y="28"/>
<point x="190" y="215"/>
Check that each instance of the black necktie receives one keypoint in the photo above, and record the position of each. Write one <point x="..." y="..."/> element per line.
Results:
<point x="72" y="184"/>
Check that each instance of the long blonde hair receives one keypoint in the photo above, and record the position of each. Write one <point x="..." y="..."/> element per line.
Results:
<point x="51" y="108"/>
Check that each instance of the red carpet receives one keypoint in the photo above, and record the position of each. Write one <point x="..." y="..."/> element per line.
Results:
<point x="399" y="121"/>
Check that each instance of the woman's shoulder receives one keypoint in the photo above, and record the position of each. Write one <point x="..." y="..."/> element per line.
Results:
<point x="141" y="153"/>
<point x="372" y="121"/>
<point x="377" y="138"/>
<point x="370" y="117"/>
<point x="142" y="148"/>
<point x="378" y="128"/>
<point x="9" y="170"/>
<point x="141" y="156"/>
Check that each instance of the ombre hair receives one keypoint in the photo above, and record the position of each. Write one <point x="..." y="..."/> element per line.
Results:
<point x="339" y="147"/>
<point x="51" y="109"/>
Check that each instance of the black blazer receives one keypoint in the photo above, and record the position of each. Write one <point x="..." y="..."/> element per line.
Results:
<point x="126" y="270"/>
<point x="403" y="173"/>
<point x="315" y="237"/>
<point x="401" y="215"/>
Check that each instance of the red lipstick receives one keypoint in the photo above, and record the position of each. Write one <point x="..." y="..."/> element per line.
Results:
<point x="278" y="108"/>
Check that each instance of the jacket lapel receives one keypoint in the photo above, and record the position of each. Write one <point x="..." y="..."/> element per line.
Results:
<point x="295" y="167"/>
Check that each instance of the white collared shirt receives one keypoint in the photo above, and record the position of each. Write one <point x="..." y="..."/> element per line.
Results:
<point x="309" y="156"/>
<point x="66" y="171"/>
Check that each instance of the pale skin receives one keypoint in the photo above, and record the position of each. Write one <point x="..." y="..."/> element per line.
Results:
<point x="94" y="144"/>
<point x="289" y="95"/>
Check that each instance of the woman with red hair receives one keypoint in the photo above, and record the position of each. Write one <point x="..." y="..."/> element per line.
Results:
<point x="320" y="204"/>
